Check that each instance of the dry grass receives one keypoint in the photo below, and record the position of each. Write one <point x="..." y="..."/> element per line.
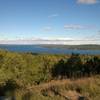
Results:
<point x="66" y="89"/>
<point x="73" y="89"/>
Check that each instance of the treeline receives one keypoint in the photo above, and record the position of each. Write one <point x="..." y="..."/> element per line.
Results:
<point x="73" y="67"/>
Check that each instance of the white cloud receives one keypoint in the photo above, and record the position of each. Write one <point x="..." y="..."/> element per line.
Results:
<point x="78" y="26"/>
<point x="97" y="35"/>
<point x="53" y="15"/>
<point x="87" y="1"/>
<point x="99" y="32"/>
<point x="47" y="28"/>
<point x="73" y="26"/>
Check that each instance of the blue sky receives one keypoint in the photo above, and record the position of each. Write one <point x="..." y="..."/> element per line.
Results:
<point x="72" y="19"/>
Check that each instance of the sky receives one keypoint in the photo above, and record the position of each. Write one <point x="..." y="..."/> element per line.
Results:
<point x="50" y="19"/>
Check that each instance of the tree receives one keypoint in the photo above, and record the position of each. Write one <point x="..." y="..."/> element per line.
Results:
<point x="59" y="69"/>
<point x="74" y="66"/>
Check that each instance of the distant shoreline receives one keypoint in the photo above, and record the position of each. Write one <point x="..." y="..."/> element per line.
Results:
<point x="54" y="49"/>
<point x="63" y="46"/>
<point x="74" y="47"/>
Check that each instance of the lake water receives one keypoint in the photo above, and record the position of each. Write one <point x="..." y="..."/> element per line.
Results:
<point x="41" y="49"/>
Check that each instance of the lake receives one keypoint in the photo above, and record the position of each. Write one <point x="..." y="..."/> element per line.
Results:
<point x="41" y="49"/>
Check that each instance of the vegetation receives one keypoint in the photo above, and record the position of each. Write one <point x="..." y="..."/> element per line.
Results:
<point x="29" y="76"/>
<point x="75" y="68"/>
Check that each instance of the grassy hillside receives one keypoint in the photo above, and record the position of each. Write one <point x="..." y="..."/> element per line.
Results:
<point x="29" y="76"/>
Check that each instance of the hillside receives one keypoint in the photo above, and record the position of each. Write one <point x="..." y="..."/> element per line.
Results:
<point x="49" y="76"/>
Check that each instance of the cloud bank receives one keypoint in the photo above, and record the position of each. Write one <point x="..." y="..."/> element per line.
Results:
<point x="58" y="41"/>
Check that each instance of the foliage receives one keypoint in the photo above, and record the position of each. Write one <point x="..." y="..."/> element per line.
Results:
<point x="75" y="68"/>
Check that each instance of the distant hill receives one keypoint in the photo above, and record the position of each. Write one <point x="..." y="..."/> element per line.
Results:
<point x="79" y="47"/>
